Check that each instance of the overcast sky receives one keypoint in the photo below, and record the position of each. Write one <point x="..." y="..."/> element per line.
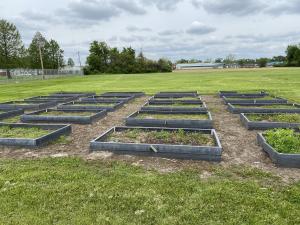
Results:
<point x="175" y="29"/>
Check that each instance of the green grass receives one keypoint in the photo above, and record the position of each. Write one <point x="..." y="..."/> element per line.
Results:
<point x="14" y="119"/>
<point x="283" y="117"/>
<point x="62" y="113"/>
<point x="162" y="137"/>
<point x="176" y="99"/>
<point x="275" y="106"/>
<point x="71" y="191"/>
<point x="283" y="82"/>
<point x="262" y="98"/>
<point x="13" y="132"/>
<point x="172" y="116"/>
<point x="284" y="140"/>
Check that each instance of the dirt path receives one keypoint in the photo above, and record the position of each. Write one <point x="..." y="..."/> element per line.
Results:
<point x="238" y="143"/>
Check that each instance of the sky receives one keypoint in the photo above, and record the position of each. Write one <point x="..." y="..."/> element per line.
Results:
<point x="174" y="29"/>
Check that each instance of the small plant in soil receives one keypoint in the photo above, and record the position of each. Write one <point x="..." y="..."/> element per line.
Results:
<point x="17" y="132"/>
<point x="64" y="113"/>
<point x="284" y="140"/>
<point x="283" y="117"/>
<point x="179" y="137"/>
<point x="173" y="116"/>
<point x="176" y="105"/>
<point x="15" y="119"/>
<point x="279" y="106"/>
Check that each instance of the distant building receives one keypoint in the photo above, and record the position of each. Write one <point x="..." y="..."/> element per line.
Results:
<point x="195" y="66"/>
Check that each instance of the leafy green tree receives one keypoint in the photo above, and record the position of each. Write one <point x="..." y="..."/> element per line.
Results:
<point x="54" y="55"/>
<point x="262" y="62"/>
<point x="11" y="47"/>
<point x="99" y="57"/>
<point x="38" y="41"/>
<point x="70" y="62"/>
<point x="293" y="55"/>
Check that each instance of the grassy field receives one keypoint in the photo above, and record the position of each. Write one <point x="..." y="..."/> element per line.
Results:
<point x="74" y="191"/>
<point x="71" y="191"/>
<point x="281" y="81"/>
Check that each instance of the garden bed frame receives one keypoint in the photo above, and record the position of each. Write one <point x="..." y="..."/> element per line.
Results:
<point x="259" y="125"/>
<point x="176" y="94"/>
<point x="104" y="99"/>
<point x="55" y="131"/>
<point x="36" y="117"/>
<point x="123" y="94"/>
<point x="91" y="106"/>
<point x="72" y="94"/>
<point x="254" y="101"/>
<point x="148" y="108"/>
<point x="51" y="99"/>
<point x="242" y="95"/>
<point x="280" y="159"/>
<point x="154" y="101"/>
<point x="237" y="110"/>
<point x="11" y="113"/>
<point x="172" y="123"/>
<point x="208" y="153"/>
<point x="34" y="106"/>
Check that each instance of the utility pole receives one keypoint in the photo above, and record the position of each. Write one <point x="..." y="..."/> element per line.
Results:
<point x="79" y="60"/>
<point x="40" y="46"/>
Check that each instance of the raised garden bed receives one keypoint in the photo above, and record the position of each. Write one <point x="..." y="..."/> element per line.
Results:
<point x="64" y="116"/>
<point x="51" y="99"/>
<point x="9" y="113"/>
<point x="262" y="100"/>
<point x="175" y="107"/>
<point x="176" y="94"/>
<point x="193" y="144"/>
<point x="283" y="146"/>
<point x="187" y="100"/>
<point x="96" y="105"/>
<point x="201" y="120"/>
<point x="27" y="105"/>
<point x="98" y="98"/>
<point x="11" y="119"/>
<point x="31" y="135"/>
<point x="72" y="94"/>
<point x="241" y="95"/>
<point x="123" y="94"/>
<point x="263" y="108"/>
<point x="264" y="121"/>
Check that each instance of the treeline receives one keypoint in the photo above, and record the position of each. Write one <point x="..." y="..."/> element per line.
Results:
<point x="104" y="59"/>
<point x="41" y="52"/>
<point x="291" y="59"/>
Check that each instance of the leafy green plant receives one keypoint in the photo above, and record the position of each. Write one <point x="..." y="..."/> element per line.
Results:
<point x="15" y="119"/>
<point x="283" y="117"/>
<point x="284" y="140"/>
<point x="18" y="132"/>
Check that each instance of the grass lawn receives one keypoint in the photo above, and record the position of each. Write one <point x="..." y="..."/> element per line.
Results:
<point x="71" y="191"/>
<point x="283" y="82"/>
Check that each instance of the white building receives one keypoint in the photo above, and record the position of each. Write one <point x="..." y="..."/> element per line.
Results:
<point x="195" y="66"/>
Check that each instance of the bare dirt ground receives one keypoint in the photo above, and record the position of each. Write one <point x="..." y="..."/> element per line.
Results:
<point x="239" y="144"/>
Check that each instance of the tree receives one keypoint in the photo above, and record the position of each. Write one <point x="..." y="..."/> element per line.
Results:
<point x="70" y="62"/>
<point x="99" y="57"/>
<point x="54" y="55"/>
<point x="293" y="55"/>
<point x="11" y="46"/>
<point x="262" y="62"/>
<point x="38" y="46"/>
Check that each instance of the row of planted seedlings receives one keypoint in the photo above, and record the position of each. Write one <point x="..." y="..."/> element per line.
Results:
<point x="18" y="124"/>
<point x="279" y="119"/>
<point x="170" y="124"/>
